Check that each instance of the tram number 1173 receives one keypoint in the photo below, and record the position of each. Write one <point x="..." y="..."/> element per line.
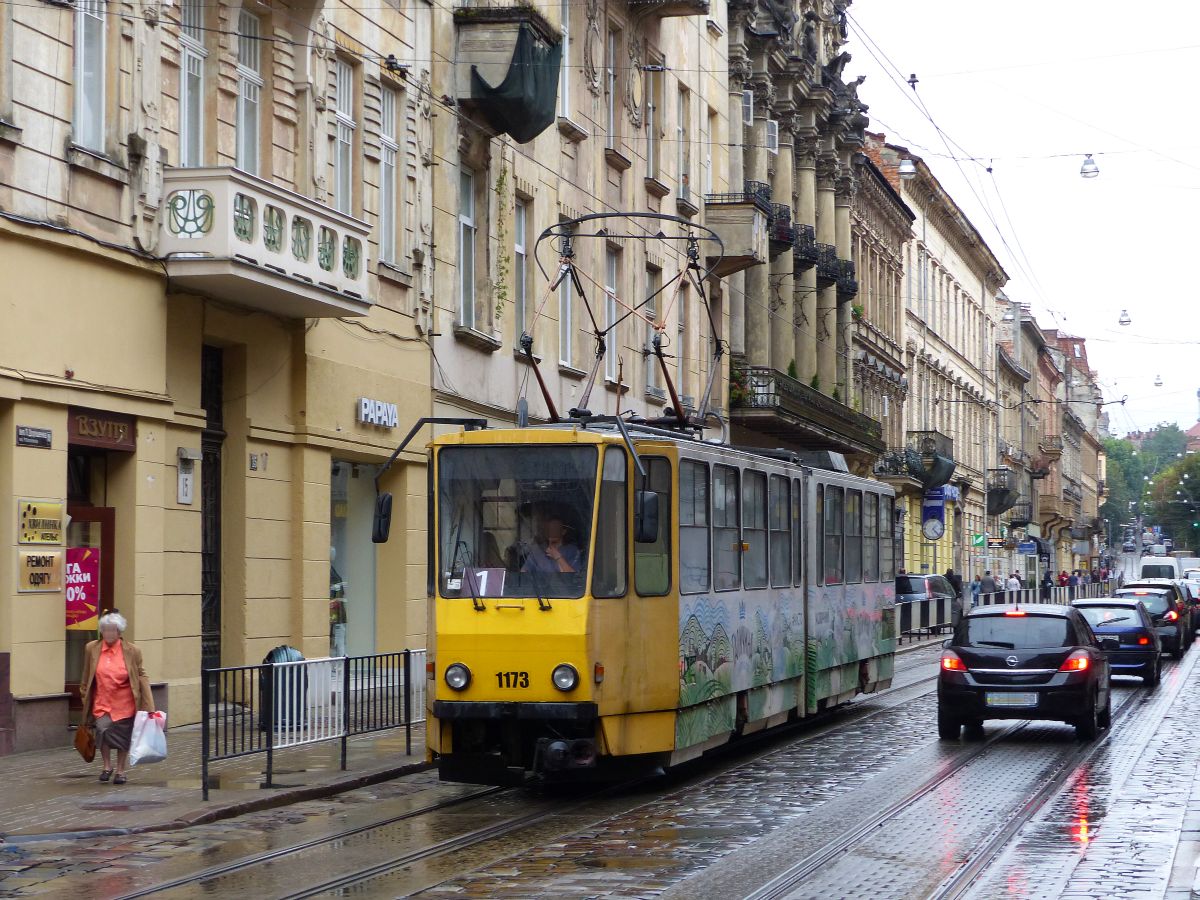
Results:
<point x="512" y="679"/>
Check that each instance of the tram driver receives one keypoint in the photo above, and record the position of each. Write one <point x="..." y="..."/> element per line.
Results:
<point x="553" y="552"/>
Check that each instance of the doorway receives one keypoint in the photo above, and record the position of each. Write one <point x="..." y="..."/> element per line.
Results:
<point x="212" y="398"/>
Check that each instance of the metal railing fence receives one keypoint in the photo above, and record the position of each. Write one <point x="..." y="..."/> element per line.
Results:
<point x="274" y="706"/>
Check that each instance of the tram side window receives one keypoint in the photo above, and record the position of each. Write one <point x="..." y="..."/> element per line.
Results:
<point x="779" y="513"/>
<point x="652" y="562"/>
<point x="612" y="539"/>
<point x="693" y="527"/>
<point x="870" y="522"/>
<point x="833" y="535"/>
<point x="798" y="529"/>
<point x="727" y="538"/>
<point x="887" y="540"/>
<point x="754" y="529"/>
<point x="819" y="523"/>
<point x="853" y="536"/>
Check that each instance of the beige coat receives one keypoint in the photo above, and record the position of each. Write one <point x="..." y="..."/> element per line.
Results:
<point x="138" y="682"/>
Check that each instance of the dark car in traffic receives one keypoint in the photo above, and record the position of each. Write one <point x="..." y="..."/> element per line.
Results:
<point x="1028" y="661"/>
<point x="1168" y="610"/>
<point x="1128" y="622"/>
<point x="923" y="587"/>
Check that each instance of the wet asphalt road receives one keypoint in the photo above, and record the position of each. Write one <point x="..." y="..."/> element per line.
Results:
<point x="1110" y="824"/>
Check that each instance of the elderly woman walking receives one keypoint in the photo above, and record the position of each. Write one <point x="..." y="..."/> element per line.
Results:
<point x="115" y="687"/>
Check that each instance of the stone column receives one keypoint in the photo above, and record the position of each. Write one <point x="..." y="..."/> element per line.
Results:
<point x="845" y="322"/>
<point x="758" y="293"/>
<point x="805" y="307"/>
<point x="826" y="321"/>
<point x="783" y="342"/>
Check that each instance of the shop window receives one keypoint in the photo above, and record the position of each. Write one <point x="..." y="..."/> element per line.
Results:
<point x="727" y="537"/>
<point x="612" y="538"/>
<point x="694" y="566"/>
<point x="781" y="533"/>
<point x="833" y="535"/>
<point x="754" y="530"/>
<point x="652" y="562"/>
<point x="351" y="559"/>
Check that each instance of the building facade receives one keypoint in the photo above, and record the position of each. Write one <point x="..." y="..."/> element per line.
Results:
<point x="215" y="224"/>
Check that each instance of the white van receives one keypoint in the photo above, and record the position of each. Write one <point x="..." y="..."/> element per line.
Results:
<point x="1160" y="567"/>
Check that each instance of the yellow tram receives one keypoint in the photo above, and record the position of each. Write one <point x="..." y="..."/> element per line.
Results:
<point x="608" y="597"/>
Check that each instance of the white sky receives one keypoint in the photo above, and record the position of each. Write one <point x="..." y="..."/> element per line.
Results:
<point x="1032" y="78"/>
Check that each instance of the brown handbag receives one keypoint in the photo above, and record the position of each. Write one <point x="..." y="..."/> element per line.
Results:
<point x="85" y="743"/>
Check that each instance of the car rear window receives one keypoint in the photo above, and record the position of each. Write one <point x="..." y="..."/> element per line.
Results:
<point x="1016" y="632"/>
<point x="1150" y="570"/>
<point x="1100" y="616"/>
<point x="908" y="585"/>
<point x="1155" y="601"/>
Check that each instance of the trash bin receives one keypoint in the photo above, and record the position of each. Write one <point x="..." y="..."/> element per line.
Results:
<point x="293" y="692"/>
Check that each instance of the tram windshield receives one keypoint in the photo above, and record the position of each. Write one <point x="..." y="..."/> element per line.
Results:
<point x="515" y="521"/>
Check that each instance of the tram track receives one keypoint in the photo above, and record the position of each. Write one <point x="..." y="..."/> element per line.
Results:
<point x="956" y="885"/>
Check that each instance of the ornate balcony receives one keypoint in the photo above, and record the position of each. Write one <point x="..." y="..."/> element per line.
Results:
<point x="1021" y="513"/>
<point x="847" y="284"/>
<point x="1072" y="490"/>
<point x="779" y="226"/>
<point x="937" y="456"/>
<point x="901" y="467"/>
<point x="828" y="265"/>
<point x="1003" y="491"/>
<point x="740" y="220"/>
<point x="663" y="9"/>
<point x="244" y="240"/>
<point x="1051" y="507"/>
<point x="804" y="253"/>
<point x="772" y="403"/>
<point x="1052" y="445"/>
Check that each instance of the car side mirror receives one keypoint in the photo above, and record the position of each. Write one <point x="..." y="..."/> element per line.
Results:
<point x="1110" y="643"/>
<point x="381" y="527"/>
<point x="645" y="517"/>
<point x="948" y="643"/>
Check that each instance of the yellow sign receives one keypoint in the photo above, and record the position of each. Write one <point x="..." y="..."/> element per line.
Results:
<point x="39" y="522"/>
<point x="39" y="570"/>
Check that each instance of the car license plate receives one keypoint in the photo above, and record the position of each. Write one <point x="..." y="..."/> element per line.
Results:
<point x="1011" y="699"/>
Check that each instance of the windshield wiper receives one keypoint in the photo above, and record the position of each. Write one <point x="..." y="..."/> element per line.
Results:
<point x="543" y="603"/>
<point x="1003" y="645"/>
<point x="1111" y="621"/>
<point x="469" y="560"/>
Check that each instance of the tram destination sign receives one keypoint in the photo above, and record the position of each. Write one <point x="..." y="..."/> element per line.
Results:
<point x="39" y="522"/>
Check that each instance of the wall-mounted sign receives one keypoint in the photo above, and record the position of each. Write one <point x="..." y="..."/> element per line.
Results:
<point x="376" y="412"/>
<point x="39" y="570"/>
<point x="95" y="428"/>
<point x="28" y="436"/>
<point x="39" y="522"/>
<point x="83" y="588"/>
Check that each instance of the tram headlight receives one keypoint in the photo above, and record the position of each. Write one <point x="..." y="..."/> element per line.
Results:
<point x="458" y="676"/>
<point x="565" y="677"/>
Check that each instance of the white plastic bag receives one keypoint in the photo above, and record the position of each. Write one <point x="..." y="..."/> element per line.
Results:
<point x="149" y="741"/>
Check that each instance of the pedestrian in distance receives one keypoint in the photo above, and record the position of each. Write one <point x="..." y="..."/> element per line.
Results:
<point x="1014" y="582"/>
<point x="1047" y="585"/>
<point x="987" y="584"/>
<point x="976" y="588"/>
<point x="956" y="605"/>
<point x="114" y="688"/>
<point x="1062" y="578"/>
<point x="1073" y="583"/>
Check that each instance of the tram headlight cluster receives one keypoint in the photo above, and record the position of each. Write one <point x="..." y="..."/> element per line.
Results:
<point x="565" y="677"/>
<point x="458" y="676"/>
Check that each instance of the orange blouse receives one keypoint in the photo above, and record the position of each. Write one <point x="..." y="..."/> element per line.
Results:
<point x="114" y="693"/>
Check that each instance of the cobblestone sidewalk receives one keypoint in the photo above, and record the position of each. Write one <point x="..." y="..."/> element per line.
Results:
<point x="54" y="792"/>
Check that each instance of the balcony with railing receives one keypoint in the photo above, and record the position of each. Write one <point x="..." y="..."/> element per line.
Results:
<point x="771" y="403"/>
<point x="1003" y="490"/>
<point x="902" y="468"/>
<point x="740" y="219"/>
<point x="805" y="251"/>
<point x="1052" y="445"/>
<point x="663" y="9"/>
<point x="780" y="231"/>
<point x="1021" y="513"/>
<point x="1051" y="507"/>
<point x="252" y="243"/>
<point x="1072" y="490"/>
<point x="847" y="283"/>
<point x="828" y="265"/>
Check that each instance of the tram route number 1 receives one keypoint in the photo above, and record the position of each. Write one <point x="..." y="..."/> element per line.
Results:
<point x="512" y="679"/>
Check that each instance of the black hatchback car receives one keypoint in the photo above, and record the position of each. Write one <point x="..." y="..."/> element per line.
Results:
<point x="1033" y="661"/>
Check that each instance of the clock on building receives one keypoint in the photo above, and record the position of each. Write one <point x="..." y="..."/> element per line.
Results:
<point x="933" y="529"/>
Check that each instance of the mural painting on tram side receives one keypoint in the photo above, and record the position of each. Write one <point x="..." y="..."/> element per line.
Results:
<point x="735" y="642"/>
<point x="848" y="624"/>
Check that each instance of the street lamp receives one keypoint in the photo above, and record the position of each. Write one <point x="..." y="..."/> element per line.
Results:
<point x="1124" y="320"/>
<point x="1089" y="169"/>
<point x="1158" y="381"/>
<point x="908" y="169"/>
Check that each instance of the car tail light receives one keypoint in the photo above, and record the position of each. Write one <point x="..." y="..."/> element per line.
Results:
<point x="1143" y="640"/>
<point x="1171" y="615"/>
<point x="1014" y="612"/>
<point x="1076" y="662"/>
<point x="952" y="662"/>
